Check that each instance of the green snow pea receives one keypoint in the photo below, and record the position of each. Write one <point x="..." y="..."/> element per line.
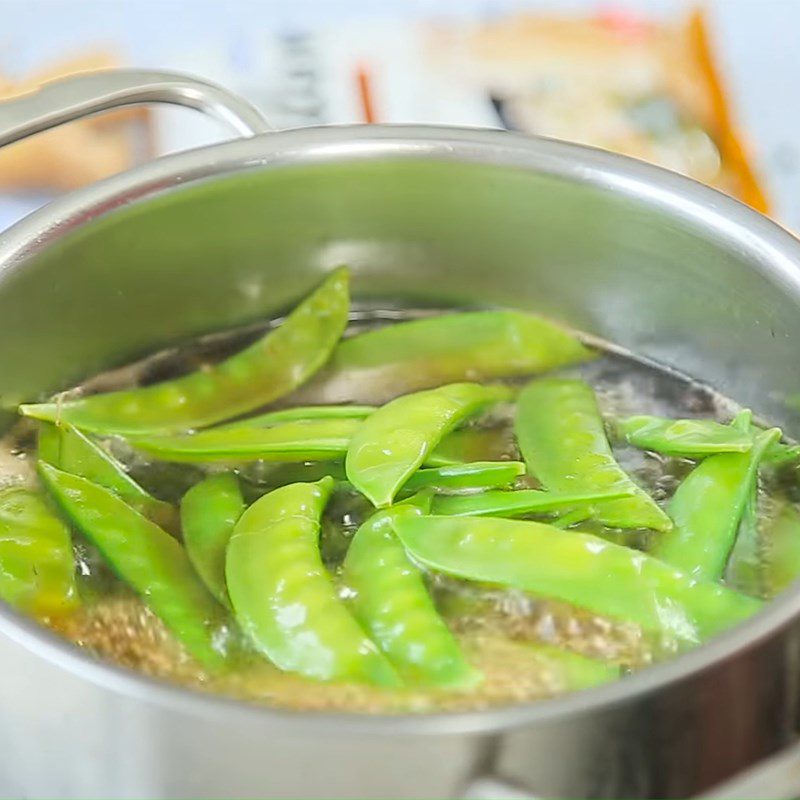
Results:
<point x="37" y="566"/>
<point x="781" y="562"/>
<point x="470" y="444"/>
<point x="451" y="478"/>
<point x="743" y="420"/>
<point x="271" y="367"/>
<point x="688" y="438"/>
<point x="707" y="508"/>
<point x="561" y="436"/>
<point x="268" y="476"/>
<point x="466" y="346"/>
<point x="393" y="442"/>
<point x="743" y="570"/>
<point x="518" y="503"/>
<point x="293" y="441"/>
<point x="147" y="558"/>
<point x="209" y="511"/>
<point x="572" y="518"/>
<point x="780" y="454"/>
<point x="284" y="599"/>
<point x="771" y="561"/>
<point x="65" y="447"/>
<point x="476" y="475"/>
<point x="304" y="440"/>
<point x="392" y="602"/>
<point x="300" y="413"/>
<point x="585" y="570"/>
<point x="571" y="670"/>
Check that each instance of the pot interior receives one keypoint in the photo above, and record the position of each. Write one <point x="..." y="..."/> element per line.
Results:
<point x="688" y="284"/>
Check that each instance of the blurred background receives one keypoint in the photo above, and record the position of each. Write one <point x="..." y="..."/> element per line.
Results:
<point x="708" y="90"/>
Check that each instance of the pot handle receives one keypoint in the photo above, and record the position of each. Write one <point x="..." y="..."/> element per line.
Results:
<point x="78" y="96"/>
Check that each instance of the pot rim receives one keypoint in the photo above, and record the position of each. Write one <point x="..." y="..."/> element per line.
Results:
<point x="769" y="247"/>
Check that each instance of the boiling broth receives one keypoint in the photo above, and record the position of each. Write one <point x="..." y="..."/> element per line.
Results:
<point x="498" y="629"/>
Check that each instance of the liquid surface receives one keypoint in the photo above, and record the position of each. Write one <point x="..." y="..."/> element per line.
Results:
<point x="499" y="630"/>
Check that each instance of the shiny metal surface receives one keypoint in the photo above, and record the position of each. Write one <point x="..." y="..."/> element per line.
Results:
<point x="81" y="95"/>
<point x="224" y="235"/>
<point x="777" y="778"/>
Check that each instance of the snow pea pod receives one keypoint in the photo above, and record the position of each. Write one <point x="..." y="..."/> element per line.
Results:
<point x="561" y="436"/>
<point x="517" y="503"/>
<point x="569" y="671"/>
<point x="450" y="478"/>
<point x="37" y="567"/>
<point x="475" y="475"/>
<point x="422" y="353"/>
<point x="392" y="602"/>
<point x="707" y="508"/>
<point x="283" y="598"/>
<point x="572" y="518"/>
<point x="272" y="367"/>
<point x="295" y="441"/>
<point x="65" y="447"/>
<point x="265" y="476"/>
<point x="209" y="511"/>
<point x="743" y="420"/>
<point x="781" y="562"/>
<point x="147" y="558"/>
<point x="743" y="570"/>
<point x="687" y="438"/>
<point x="300" y="413"/>
<point x="393" y="442"/>
<point x="304" y="440"/>
<point x="470" y="444"/>
<point x="780" y="454"/>
<point x="585" y="570"/>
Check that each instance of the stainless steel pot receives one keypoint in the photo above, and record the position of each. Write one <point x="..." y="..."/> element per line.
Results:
<point x="227" y="234"/>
